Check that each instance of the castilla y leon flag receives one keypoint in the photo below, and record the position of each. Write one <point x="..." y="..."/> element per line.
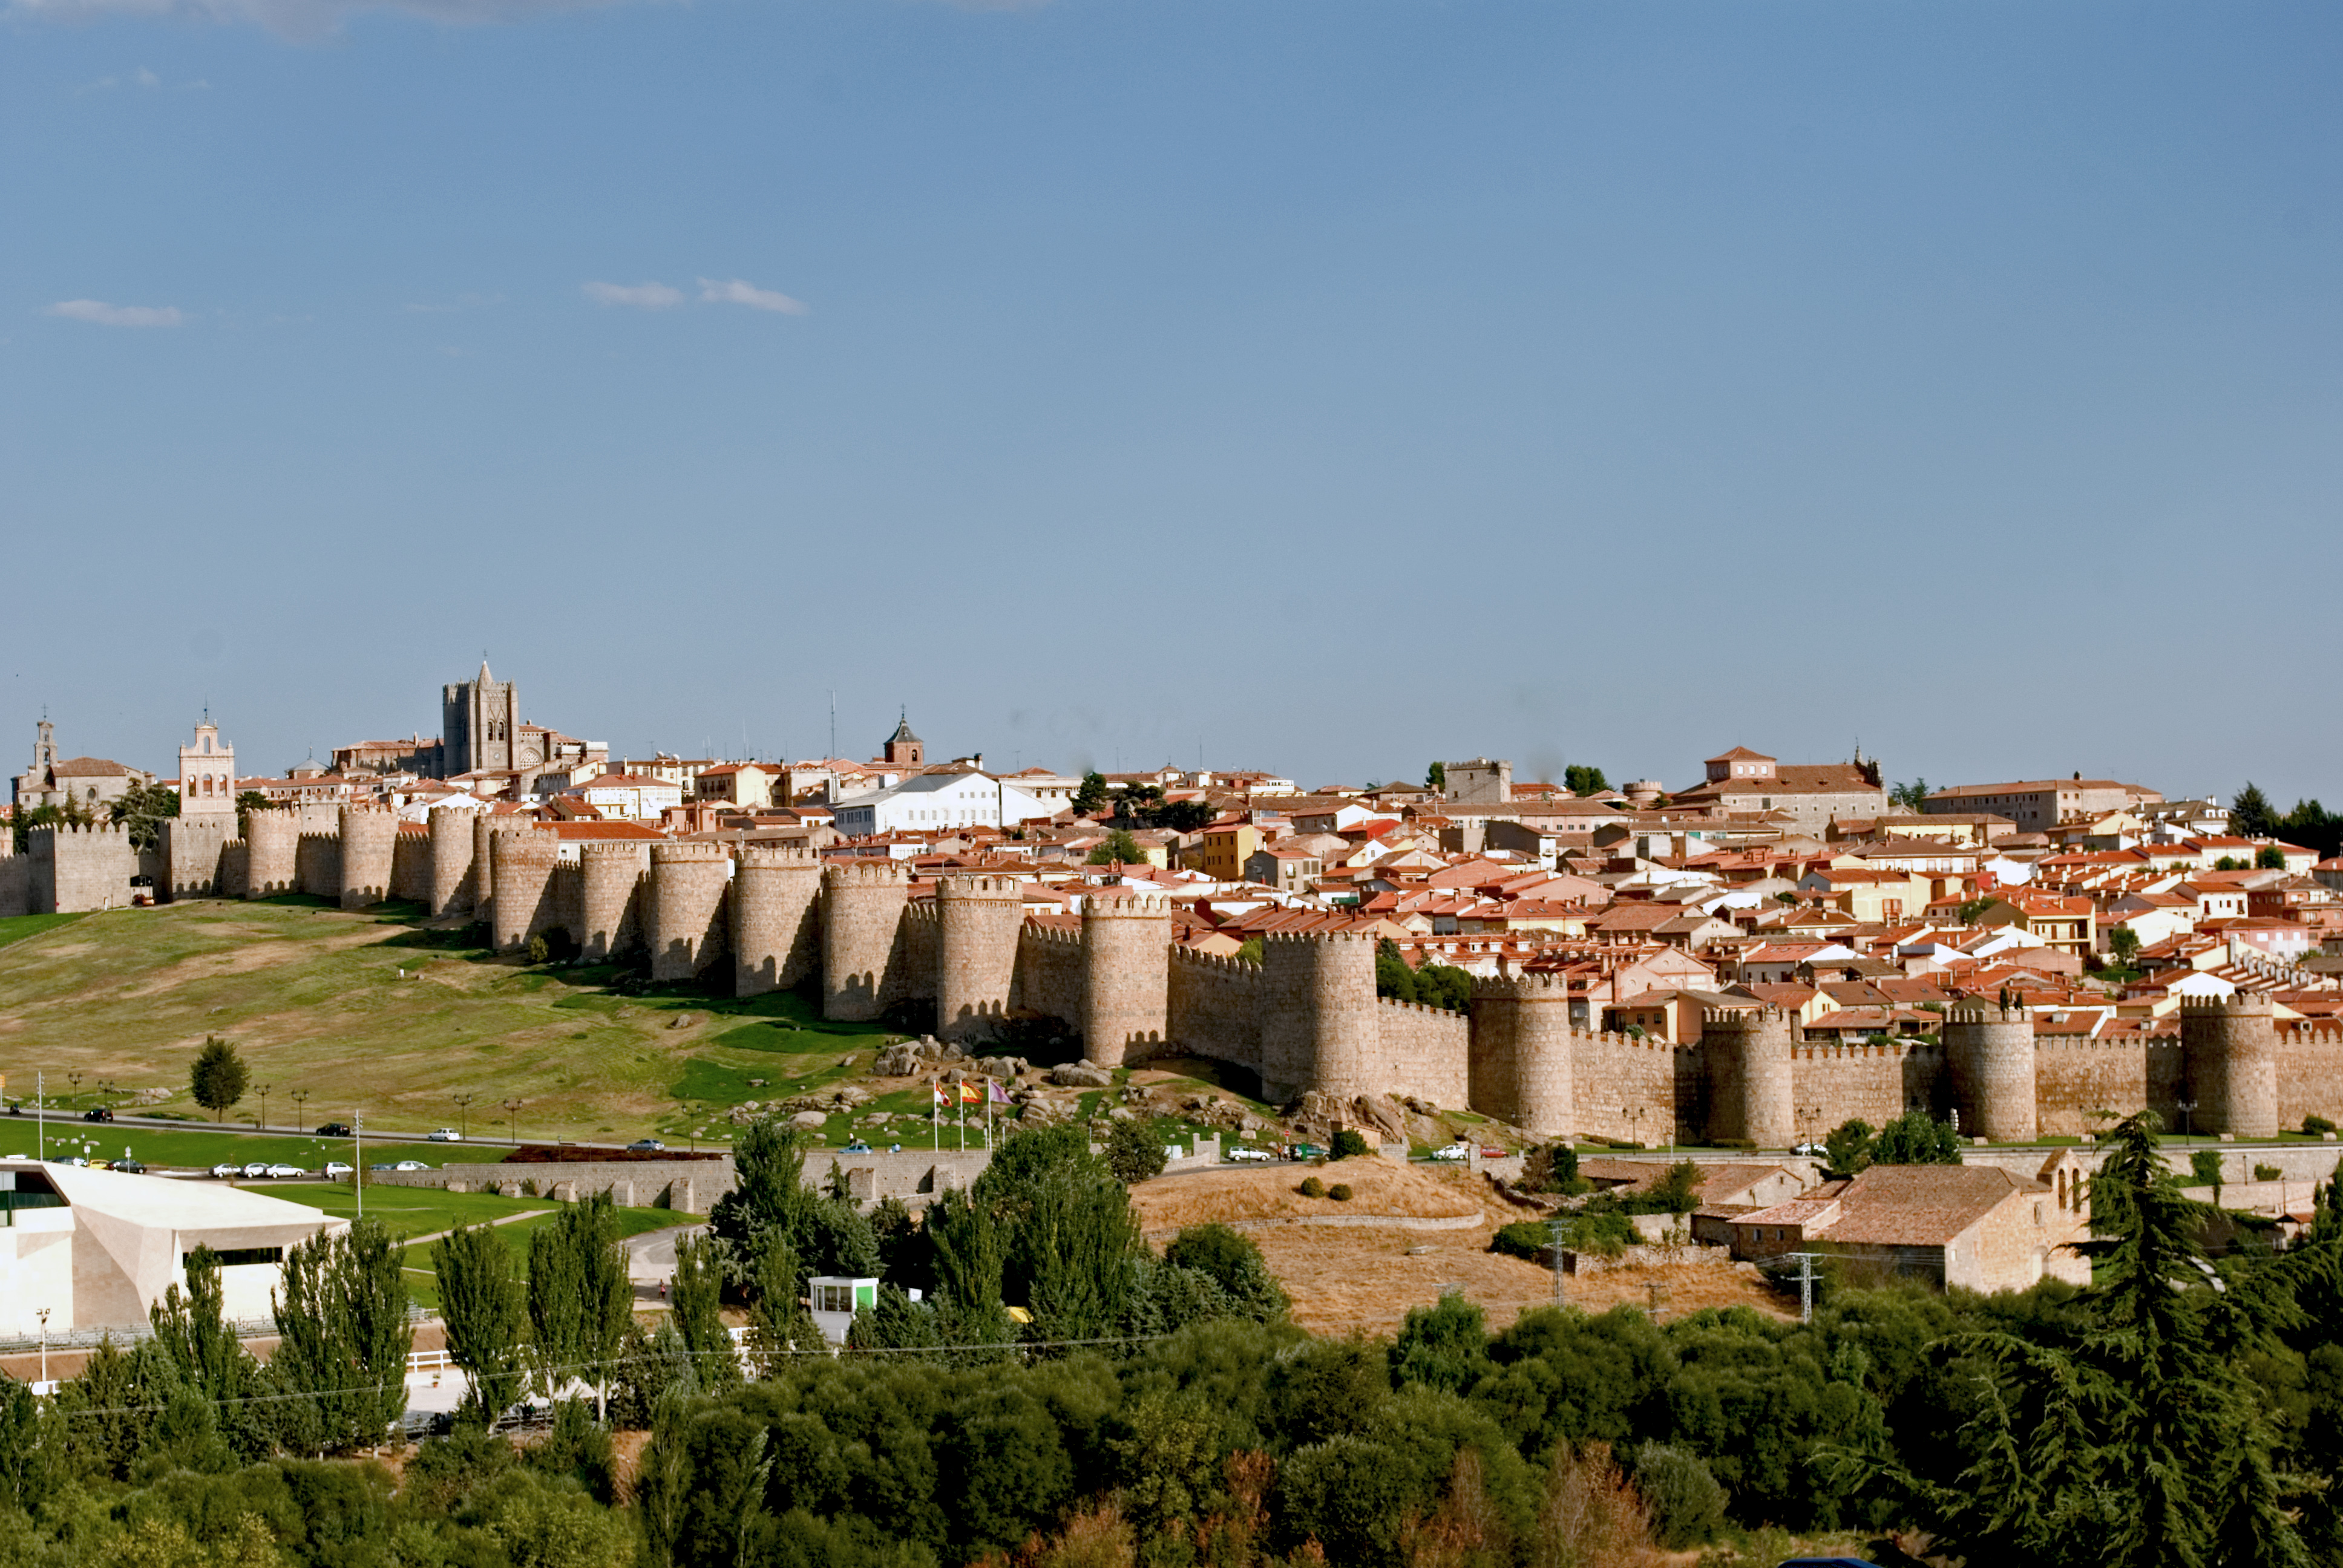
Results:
<point x="967" y="1095"/>
<point x="994" y="1093"/>
<point x="939" y="1092"/>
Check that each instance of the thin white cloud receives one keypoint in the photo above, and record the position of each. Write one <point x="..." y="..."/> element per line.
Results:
<point x="736" y="292"/>
<point x="642" y="296"/>
<point x="104" y="315"/>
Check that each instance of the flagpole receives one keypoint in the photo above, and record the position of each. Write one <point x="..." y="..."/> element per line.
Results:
<point x="935" y="1134"/>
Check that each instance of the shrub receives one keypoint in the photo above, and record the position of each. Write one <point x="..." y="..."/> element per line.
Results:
<point x="1350" y="1145"/>
<point x="1134" y="1153"/>
<point x="2268" y="1174"/>
<point x="540" y="950"/>
<point x="1311" y="1187"/>
<point x="1340" y="1192"/>
<point x="1685" y="1501"/>
<point x="2316" y="1126"/>
<point x="1603" y="1232"/>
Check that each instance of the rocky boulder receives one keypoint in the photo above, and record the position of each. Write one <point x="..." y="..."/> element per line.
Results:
<point x="1083" y="1074"/>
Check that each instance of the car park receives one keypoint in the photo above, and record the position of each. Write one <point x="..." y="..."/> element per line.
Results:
<point x="287" y="1171"/>
<point x="335" y="1129"/>
<point x="256" y="1170"/>
<point x="446" y="1135"/>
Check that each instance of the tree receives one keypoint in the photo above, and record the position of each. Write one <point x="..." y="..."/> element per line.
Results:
<point x="1912" y="797"/>
<point x="1436" y="777"/>
<point x="1847" y="1147"/>
<point x="2251" y="814"/>
<point x="1582" y="780"/>
<point x="218" y="1077"/>
<point x="2269" y="858"/>
<point x="696" y="1287"/>
<point x="2123" y="943"/>
<point x="143" y="808"/>
<point x="1182" y="816"/>
<point x="485" y="1311"/>
<point x="344" y="1338"/>
<point x="579" y="1299"/>
<point x="1092" y="794"/>
<point x="1349" y="1144"/>
<point x="1134" y="1153"/>
<point x="1233" y="1260"/>
<point x="1119" y="849"/>
<point x="1393" y="977"/>
<point x="1916" y="1138"/>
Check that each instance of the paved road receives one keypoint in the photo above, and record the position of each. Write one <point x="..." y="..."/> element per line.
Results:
<point x="61" y="1124"/>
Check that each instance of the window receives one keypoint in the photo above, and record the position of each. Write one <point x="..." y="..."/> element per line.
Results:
<point x="235" y="1257"/>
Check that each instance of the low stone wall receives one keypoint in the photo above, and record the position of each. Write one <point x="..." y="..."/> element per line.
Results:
<point x="693" y="1186"/>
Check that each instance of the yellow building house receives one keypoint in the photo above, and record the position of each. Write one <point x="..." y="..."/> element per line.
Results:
<point x="1869" y="895"/>
<point x="1224" y="850"/>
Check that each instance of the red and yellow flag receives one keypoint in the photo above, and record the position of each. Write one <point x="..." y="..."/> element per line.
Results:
<point x="968" y="1094"/>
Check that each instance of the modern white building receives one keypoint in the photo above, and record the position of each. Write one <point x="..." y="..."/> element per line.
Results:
<point x="97" y="1248"/>
<point x="926" y="801"/>
<point x="633" y="796"/>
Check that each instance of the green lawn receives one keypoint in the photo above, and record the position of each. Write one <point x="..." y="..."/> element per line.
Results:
<point x="426" y="1211"/>
<point x="372" y="1010"/>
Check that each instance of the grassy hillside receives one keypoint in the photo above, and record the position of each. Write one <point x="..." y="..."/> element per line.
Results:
<point x="373" y="1012"/>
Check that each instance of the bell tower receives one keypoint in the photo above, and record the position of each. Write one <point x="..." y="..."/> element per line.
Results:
<point x="207" y="773"/>
<point x="479" y="722"/>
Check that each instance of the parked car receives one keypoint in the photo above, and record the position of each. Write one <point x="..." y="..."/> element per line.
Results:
<point x="134" y="1167"/>
<point x="335" y="1168"/>
<point x="1246" y="1154"/>
<point x="857" y="1147"/>
<point x="225" y="1171"/>
<point x="446" y="1135"/>
<point x="74" y="1159"/>
<point x="646" y="1145"/>
<point x="1810" y="1150"/>
<point x="410" y="1165"/>
<point x="1493" y="1154"/>
<point x="102" y="1113"/>
<point x="335" y="1129"/>
<point x="1454" y="1151"/>
<point x="285" y="1171"/>
<point x="256" y="1170"/>
<point x="1304" y="1151"/>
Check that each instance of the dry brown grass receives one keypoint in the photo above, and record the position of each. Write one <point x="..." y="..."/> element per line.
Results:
<point x="1267" y="1192"/>
<point x="1364" y="1279"/>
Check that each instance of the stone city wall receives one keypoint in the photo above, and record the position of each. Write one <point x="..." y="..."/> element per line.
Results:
<point x="1426" y="1052"/>
<point x="1050" y="971"/>
<point x="1214" y="1005"/>
<point x="693" y="1186"/>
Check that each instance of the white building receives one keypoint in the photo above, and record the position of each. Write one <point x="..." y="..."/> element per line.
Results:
<point x="97" y="1248"/>
<point x="935" y="800"/>
<point x="634" y="796"/>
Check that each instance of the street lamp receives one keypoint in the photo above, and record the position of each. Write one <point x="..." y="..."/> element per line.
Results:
<point x="263" y="1092"/>
<point x="464" y="1112"/>
<point x="2184" y="1107"/>
<point x="512" y="1118"/>
<point x="300" y="1105"/>
<point x="43" y="1315"/>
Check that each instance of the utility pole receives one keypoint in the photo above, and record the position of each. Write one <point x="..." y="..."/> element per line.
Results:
<point x="1561" y="1291"/>
<point x="1806" y="1285"/>
<point x="40" y="1116"/>
<point x="357" y="1145"/>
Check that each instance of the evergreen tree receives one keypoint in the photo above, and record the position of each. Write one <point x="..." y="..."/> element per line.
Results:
<point x="1582" y="781"/>
<point x="1119" y="849"/>
<point x="1436" y="776"/>
<point x="1090" y="796"/>
<point x="777" y="1310"/>
<point x="219" y="1077"/>
<point x="1916" y="1138"/>
<point x="696" y="1288"/>
<point x="486" y="1313"/>
<point x="1134" y="1153"/>
<point x="579" y="1299"/>
<point x="210" y="1360"/>
<point x="2251" y="814"/>
<point x="143" y="808"/>
<point x="1393" y="977"/>
<point x="345" y="1337"/>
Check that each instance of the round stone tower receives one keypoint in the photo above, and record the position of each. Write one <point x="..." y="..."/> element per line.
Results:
<point x="451" y="860"/>
<point x="861" y="918"/>
<point x="610" y="919"/>
<point x="273" y="849"/>
<point x="1318" y="1026"/>
<point x="484" y="866"/>
<point x="524" y="858"/>
<point x="2229" y="1047"/>
<point x="369" y="841"/>
<point x="1521" y="1051"/>
<point x="1990" y="1053"/>
<point x="1126" y="978"/>
<point x="977" y="920"/>
<point x="776" y="922"/>
<point x="1746" y="1055"/>
<point x="685" y="923"/>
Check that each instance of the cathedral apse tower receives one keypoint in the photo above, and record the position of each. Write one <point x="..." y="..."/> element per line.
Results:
<point x="480" y="722"/>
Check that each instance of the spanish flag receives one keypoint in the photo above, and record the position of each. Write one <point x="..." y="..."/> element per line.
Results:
<point x="968" y="1094"/>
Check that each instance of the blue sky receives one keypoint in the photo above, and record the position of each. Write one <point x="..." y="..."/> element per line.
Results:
<point x="1326" y="386"/>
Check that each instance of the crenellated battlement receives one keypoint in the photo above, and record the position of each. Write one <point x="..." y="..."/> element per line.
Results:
<point x="1198" y="959"/>
<point x="621" y="851"/>
<point x="686" y="851"/>
<point x="924" y="911"/>
<point x="1967" y="1013"/>
<point x="2244" y="1004"/>
<point x="866" y="873"/>
<point x="1138" y="907"/>
<point x="1542" y="986"/>
<point x="1417" y="1006"/>
<point x="980" y="888"/>
<point x="95" y="832"/>
<point x="1053" y="934"/>
<point x="1737" y="1017"/>
<point x="779" y="856"/>
<point x="1324" y="938"/>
